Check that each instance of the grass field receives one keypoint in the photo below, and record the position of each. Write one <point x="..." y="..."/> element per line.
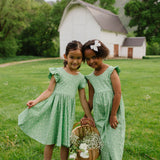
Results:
<point x="140" y="80"/>
<point x="17" y="58"/>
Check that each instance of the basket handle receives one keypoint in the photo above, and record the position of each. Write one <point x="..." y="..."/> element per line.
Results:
<point x="76" y="124"/>
<point x="80" y="123"/>
<point x="86" y="121"/>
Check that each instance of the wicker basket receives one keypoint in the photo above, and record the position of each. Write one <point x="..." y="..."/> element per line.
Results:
<point x="93" y="155"/>
<point x="80" y="131"/>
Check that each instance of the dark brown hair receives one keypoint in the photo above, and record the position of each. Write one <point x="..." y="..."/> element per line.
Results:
<point x="102" y="52"/>
<point x="73" y="45"/>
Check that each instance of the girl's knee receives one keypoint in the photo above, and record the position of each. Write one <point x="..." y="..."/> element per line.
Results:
<point x="50" y="146"/>
<point x="65" y="148"/>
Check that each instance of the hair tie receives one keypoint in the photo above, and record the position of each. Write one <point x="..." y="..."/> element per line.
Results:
<point x="95" y="46"/>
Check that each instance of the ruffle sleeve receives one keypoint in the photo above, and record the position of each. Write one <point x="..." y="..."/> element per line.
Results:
<point x="82" y="83"/>
<point x="112" y="69"/>
<point x="55" y="72"/>
<point x="87" y="77"/>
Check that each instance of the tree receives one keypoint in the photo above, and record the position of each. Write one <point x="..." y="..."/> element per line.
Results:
<point x="145" y="15"/>
<point x="12" y="21"/>
<point x="12" y="15"/>
<point x="57" y="12"/>
<point x="109" y="5"/>
<point x="39" y="38"/>
<point x="105" y="4"/>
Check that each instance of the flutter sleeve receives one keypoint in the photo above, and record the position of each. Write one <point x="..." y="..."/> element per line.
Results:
<point x="86" y="77"/>
<point x="82" y="83"/>
<point x="112" y="69"/>
<point x="55" y="72"/>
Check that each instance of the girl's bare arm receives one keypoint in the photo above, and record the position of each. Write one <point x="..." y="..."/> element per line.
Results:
<point x="47" y="93"/>
<point x="84" y="104"/>
<point x="91" y="94"/>
<point x="116" y="99"/>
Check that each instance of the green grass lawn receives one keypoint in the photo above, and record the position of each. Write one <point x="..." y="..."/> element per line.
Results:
<point x="17" y="58"/>
<point x="140" y="80"/>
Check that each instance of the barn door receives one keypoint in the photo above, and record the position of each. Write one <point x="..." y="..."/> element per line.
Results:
<point x="130" y="52"/>
<point x="116" y="50"/>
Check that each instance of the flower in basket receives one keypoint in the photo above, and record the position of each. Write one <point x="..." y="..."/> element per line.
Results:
<point x="82" y="144"/>
<point x="74" y="146"/>
<point x="84" y="148"/>
<point x="73" y="156"/>
<point x="84" y="154"/>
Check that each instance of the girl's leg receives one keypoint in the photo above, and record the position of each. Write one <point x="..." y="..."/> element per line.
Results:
<point x="64" y="153"/>
<point x="48" y="150"/>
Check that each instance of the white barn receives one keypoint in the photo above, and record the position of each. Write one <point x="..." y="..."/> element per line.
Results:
<point x="83" y="21"/>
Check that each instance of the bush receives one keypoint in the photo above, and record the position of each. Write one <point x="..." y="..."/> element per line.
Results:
<point x="153" y="49"/>
<point x="8" y="47"/>
<point x="52" y="50"/>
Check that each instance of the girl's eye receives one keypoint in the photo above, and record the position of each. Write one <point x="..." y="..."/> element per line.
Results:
<point x="94" y="57"/>
<point x="71" y="57"/>
<point x="79" y="57"/>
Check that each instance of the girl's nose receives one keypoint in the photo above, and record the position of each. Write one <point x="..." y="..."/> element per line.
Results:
<point x="91" y="60"/>
<point x="75" y="61"/>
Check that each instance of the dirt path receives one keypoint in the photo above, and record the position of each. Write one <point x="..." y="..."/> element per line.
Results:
<point x="25" y="61"/>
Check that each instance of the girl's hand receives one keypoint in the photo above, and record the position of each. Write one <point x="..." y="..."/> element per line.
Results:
<point x="113" y="121"/>
<point x="31" y="103"/>
<point x="88" y="121"/>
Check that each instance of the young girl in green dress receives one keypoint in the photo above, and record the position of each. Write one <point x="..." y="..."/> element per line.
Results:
<point x="106" y="100"/>
<point x="50" y="117"/>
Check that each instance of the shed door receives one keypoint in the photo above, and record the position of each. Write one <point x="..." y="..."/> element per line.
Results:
<point x="130" y="52"/>
<point x="116" y="50"/>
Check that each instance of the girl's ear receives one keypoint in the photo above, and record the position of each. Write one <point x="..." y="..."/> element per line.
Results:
<point x="65" y="57"/>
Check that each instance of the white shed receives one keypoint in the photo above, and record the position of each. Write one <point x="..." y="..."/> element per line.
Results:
<point x="83" y="21"/>
<point x="134" y="47"/>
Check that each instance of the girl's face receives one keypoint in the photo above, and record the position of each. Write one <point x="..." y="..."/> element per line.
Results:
<point x="92" y="60"/>
<point x="74" y="59"/>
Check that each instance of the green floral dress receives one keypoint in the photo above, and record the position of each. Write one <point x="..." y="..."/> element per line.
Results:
<point x="113" y="139"/>
<point x="50" y="121"/>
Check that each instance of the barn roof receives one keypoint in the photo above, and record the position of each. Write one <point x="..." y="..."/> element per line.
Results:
<point x="106" y="19"/>
<point x="134" y="41"/>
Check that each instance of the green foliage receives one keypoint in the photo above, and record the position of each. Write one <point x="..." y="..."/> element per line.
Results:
<point x="41" y="37"/>
<point x="13" y="20"/>
<point x="12" y="17"/>
<point x="109" y="5"/>
<point x="57" y="12"/>
<point x="131" y="34"/>
<point x="37" y="39"/>
<point x="153" y="49"/>
<point x="90" y="1"/>
<point x="105" y="4"/>
<point x="8" y="47"/>
<point x="41" y="1"/>
<point x="145" y="15"/>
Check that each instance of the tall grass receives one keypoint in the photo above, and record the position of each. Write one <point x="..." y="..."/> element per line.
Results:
<point x="140" y="81"/>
